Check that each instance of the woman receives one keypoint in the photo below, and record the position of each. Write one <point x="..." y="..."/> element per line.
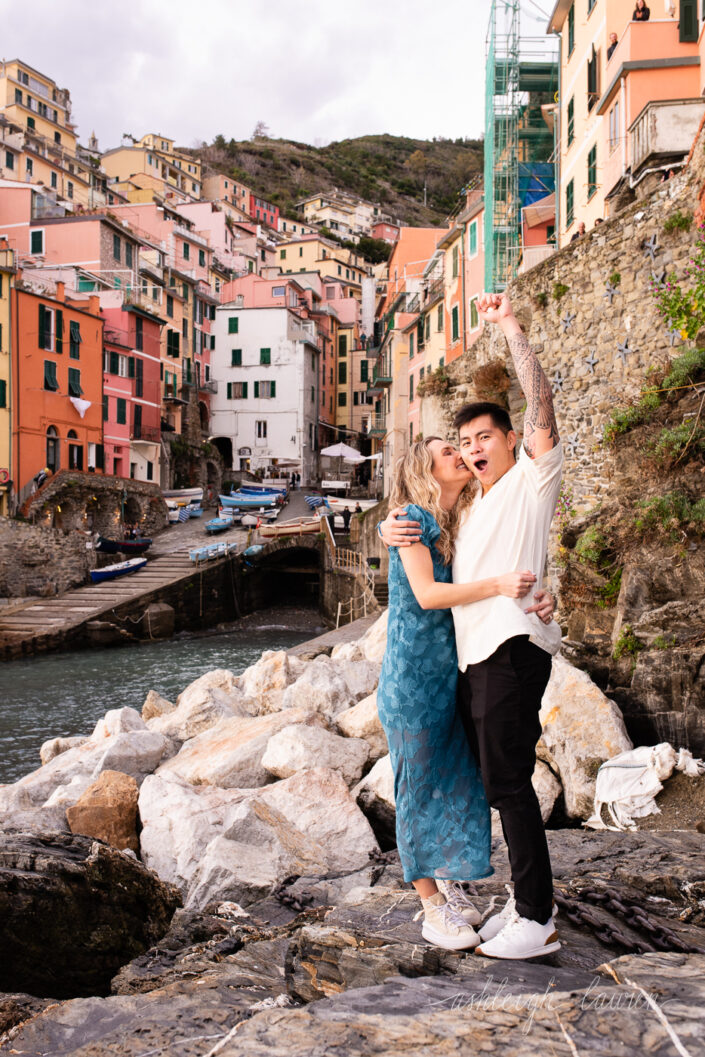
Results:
<point x="641" y="12"/>
<point x="442" y="821"/>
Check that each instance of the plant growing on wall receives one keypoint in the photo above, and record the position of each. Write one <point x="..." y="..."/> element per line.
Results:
<point x="437" y="383"/>
<point x="491" y="381"/>
<point x="559" y="291"/>
<point x="541" y="299"/>
<point x="678" y="221"/>
<point x="681" y="304"/>
<point x="615" y="278"/>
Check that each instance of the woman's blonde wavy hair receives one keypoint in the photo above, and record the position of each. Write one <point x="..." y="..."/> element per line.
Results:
<point x="414" y="483"/>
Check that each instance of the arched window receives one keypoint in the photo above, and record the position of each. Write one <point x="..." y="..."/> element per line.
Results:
<point x="75" y="451"/>
<point x="53" y="461"/>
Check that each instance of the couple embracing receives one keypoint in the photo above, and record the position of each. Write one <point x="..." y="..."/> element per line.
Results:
<point x="459" y="694"/>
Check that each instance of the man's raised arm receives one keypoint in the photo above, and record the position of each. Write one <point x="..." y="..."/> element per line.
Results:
<point x="540" y="429"/>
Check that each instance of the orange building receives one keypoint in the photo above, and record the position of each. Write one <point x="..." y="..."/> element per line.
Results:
<point x="57" y="366"/>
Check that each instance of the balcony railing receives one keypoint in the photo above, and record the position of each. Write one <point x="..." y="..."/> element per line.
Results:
<point x="382" y="372"/>
<point x="151" y="434"/>
<point x="434" y="290"/>
<point x="378" y="425"/>
<point x="211" y="386"/>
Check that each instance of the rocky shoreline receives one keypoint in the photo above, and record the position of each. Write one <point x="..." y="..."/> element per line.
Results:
<point x="261" y="806"/>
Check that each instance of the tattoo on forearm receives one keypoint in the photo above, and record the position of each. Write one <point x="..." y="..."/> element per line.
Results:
<point x="537" y="390"/>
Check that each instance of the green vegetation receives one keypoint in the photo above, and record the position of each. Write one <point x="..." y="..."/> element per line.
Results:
<point x="392" y="170"/>
<point x="671" y="516"/>
<point x="627" y="643"/>
<point x="678" y="221"/>
<point x="662" y="643"/>
<point x="683" y="307"/>
<point x="673" y="445"/>
<point x="541" y="299"/>
<point x="615" y="278"/>
<point x="607" y="595"/>
<point x="591" y="547"/>
<point x="685" y="370"/>
<point x="559" y="291"/>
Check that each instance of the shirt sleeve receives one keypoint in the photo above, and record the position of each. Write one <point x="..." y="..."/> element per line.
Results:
<point x="429" y="526"/>
<point x="543" y="474"/>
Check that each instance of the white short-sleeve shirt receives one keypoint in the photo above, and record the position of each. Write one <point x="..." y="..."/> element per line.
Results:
<point x="504" y="531"/>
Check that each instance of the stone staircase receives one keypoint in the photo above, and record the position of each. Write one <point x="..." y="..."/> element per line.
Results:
<point x="381" y="591"/>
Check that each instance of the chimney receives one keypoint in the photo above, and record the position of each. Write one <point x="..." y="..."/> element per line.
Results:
<point x="60" y="296"/>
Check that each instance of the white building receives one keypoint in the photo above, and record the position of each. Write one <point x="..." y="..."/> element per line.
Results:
<point x="264" y="414"/>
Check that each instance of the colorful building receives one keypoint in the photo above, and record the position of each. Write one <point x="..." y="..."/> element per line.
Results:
<point x="344" y="214"/>
<point x="153" y="163"/>
<point x="7" y="275"/>
<point x="57" y="361"/>
<point x="313" y="253"/>
<point x="264" y="212"/>
<point x="219" y="188"/>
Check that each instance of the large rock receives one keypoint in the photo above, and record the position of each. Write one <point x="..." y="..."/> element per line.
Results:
<point x="208" y="700"/>
<point x="117" y="721"/>
<point x="547" y="788"/>
<point x="108" y="810"/>
<point x="299" y="748"/>
<point x="266" y="681"/>
<point x="375" y="795"/>
<point x="137" y="754"/>
<point x="73" y="911"/>
<point x="155" y="705"/>
<point x="581" y="729"/>
<point x="331" y="686"/>
<point x="362" y="721"/>
<point x="374" y="642"/>
<point x="230" y="754"/>
<point x="55" y="746"/>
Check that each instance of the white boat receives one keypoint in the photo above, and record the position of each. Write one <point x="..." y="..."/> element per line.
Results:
<point x="299" y="526"/>
<point x="189" y="494"/>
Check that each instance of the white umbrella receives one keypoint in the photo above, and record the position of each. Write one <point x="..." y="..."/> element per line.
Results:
<point x="341" y="450"/>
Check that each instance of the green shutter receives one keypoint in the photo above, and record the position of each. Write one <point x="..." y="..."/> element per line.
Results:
<point x="688" y="21"/>
<point x="244" y="390"/>
<point x="114" y="363"/>
<point x="3" y="393"/>
<point x="105" y="409"/>
<point x="233" y="325"/>
<point x="256" y="389"/>
<point x="236" y="357"/>
<point x="59" y="331"/>
<point x="74" y="340"/>
<point x="273" y="389"/>
<point x="42" y="324"/>
<point x="50" y="380"/>
<point x="130" y="367"/>
<point x="230" y="390"/>
<point x="75" y="382"/>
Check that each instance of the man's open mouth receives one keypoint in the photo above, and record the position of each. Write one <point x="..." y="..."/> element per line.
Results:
<point x="480" y="465"/>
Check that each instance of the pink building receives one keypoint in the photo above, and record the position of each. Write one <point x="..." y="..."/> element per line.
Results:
<point x="383" y="230"/>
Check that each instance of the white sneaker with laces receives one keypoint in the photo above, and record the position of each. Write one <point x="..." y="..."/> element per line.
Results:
<point x="496" y="923"/>
<point x="521" y="938"/>
<point x="444" y="927"/>
<point x="456" y="895"/>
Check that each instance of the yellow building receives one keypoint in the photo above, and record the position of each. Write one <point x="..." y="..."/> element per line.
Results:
<point x="153" y="163"/>
<point x="7" y="271"/>
<point x="216" y="187"/>
<point x="346" y="215"/>
<point x="38" y="139"/>
<point x="312" y="253"/>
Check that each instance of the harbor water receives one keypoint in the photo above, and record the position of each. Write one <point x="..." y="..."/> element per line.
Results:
<point x="64" y="694"/>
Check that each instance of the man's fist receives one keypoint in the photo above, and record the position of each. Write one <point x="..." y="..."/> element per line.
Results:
<point x="492" y="308"/>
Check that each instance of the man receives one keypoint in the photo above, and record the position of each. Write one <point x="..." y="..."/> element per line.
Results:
<point x="504" y="651"/>
<point x="580" y="232"/>
<point x="612" y="45"/>
<point x="346" y="515"/>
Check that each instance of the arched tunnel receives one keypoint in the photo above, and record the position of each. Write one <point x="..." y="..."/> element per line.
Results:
<point x="285" y="572"/>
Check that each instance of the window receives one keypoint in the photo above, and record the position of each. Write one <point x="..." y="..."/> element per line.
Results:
<point x="237" y="390"/>
<point x="18" y="95"/>
<point x="342" y="399"/>
<point x="571" y="30"/>
<point x="116" y="247"/>
<point x="186" y="251"/>
<point x="261" y="429"/>
<point x="139" y="333"/>
<point x="313" y="394"/>
<point x="3" y="393"/>
<point x="569" y="204"/>
<point x="36" y="242"/>
<point x="427" y="327"/>
<point x="282" y="255"/>
<point x="30" y="122"/>
<point x="265" y="390"/>
<point x="688" y="21"/>
<point x="614" y="127"/>
<point x="342" y="345"/>
<point x="411" y="388"/>
<point x="455" y="262"/>
<point x="46" y="328"/>
<point x="440" y="318"/>
<point x="75" y="451"/>
<point x="454" y="324"/>
<point x="265" y="356"/>
<point x="75" y="382"/>
<point x="342" y="373"/>
<point x="278" y="291"/>
<point x="52" y="449"/>
<point x="150" y="470"/>
<point x="74" y="340"/>
<point x="105" y="409"/>
<point x="472" y="249"/>
<point x="121" y="411"/>
<point x="363" y="370"/>
<point x="128" y="254"/>
<point x="411" y="345"/>
<point x="202" y="258"/>
<point x="172" y="343"/>
<point x="29" y="166"/>
<point x="571" y="120"/>
<point x="9" y="160"/>
<point x="139" y="376"/>
<point x="69" y="190"/>
<point x="236" y="357"/>
<point x="474" y="318"/>
<point x="54" y="181"/>
<point x="592" y="79"/>
<point x="233" y="322"/>
<point x="50" y="380"/>
<point x="184" y="293"/>
<point x="421" y="374"/>
<point x="592" y="172"/>
<point x="170" y="305"/>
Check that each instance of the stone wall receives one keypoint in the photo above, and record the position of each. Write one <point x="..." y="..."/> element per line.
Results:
<point x="41" y="561"/>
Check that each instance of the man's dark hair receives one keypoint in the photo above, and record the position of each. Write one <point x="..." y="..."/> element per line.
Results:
<point x="498" y="414"/>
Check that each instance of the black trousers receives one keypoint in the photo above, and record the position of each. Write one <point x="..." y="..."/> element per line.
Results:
<point x="499" y="701"/>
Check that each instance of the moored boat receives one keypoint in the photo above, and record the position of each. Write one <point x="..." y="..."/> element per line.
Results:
<point x="136" y="546"/>
<point x="189" y="494"/>
<point x="110" y="572"/>
<point x="219" y="524"/>
<point x="248" y="502"/>
<point x="299" y="526"/>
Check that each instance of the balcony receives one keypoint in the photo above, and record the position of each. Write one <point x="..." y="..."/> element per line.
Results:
<point x="171" y="395"/>
<point x="382" y="372"/>
<point x="133" y="295"/>
<point x="211" y="386"/>
<point x="146" y="434"/>
<point x="663" y="131"/>
<point x="434" y="290"/>
<point x="378" y="426"/>
<point x="7" y="260"/>
<point x="534" y="255"/>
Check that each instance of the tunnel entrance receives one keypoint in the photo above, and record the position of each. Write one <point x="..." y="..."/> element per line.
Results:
<point x="288" y="575"/>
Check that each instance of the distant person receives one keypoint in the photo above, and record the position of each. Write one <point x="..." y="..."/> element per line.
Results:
<point x="358" y="508"/>
<point x="346" y="515"/>
<point x="641" y="12"/>
<point x="612" y="45"/>
<point x="598" y="220"/>
<point x="580" y="232"/>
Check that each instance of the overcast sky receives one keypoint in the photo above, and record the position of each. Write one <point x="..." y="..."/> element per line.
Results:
<point x="312" y="70"/>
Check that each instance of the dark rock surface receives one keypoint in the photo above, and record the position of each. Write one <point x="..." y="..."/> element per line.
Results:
<point x="73" y="910"/>
<point x="293" y="975"/>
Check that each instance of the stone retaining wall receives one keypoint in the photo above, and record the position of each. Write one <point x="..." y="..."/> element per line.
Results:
<point x="41" y="561"/>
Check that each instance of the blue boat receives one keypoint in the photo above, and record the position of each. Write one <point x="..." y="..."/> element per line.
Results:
<point x="110" y="572"/>
<point x="219" y="524"/>
<point x="256" y="489"/>
<point x="195" y="511"/>
<point x="248" y="502"/>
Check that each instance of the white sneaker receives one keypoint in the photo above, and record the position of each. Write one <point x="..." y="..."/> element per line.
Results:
<point x="522" y="938"/>
<point x="458" y="898"/>
<point x="494" y="925"/>
<point x="444" y="927"/>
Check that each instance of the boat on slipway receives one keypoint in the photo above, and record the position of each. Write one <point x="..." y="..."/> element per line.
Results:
<point x="299" y="526"/>
<point x="111" y="572"/>
<point x="136" y="546"/>
<point x="250" y="501"/>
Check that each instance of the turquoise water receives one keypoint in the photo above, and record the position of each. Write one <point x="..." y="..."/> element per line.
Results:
<point x="67" y="693"/>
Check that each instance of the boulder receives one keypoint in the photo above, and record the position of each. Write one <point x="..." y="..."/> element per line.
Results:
<point x="137" y="754"/>
<point x="581" y="729"/>
<point x="347" y="651"/>
<point x="299" y="747"/>
<point x="73" y="911"/>
<point x="66" y="795"/>
<point x="155" y="705"/>
<point x="108" y="810"/>
<point x="265" y="681"/>
<point x="117" y="721"/>
<point x="375" y="795"/>
<point x="547" y="788"/>
<point x="209" y="699"/>
<point x="330" y="686"/>
<point x="230" y="754"/>
<point x="55" y="746"/>
<point x="374" y="642"/>
<point x="157" y="621"/>
<point x="362" y="721"/>
<point x="179" y="820"/>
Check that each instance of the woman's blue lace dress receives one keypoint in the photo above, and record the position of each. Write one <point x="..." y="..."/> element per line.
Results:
<point x="443" y="821"/>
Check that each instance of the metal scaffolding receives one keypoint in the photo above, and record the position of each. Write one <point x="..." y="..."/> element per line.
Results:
<point x="521" y="80"/>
